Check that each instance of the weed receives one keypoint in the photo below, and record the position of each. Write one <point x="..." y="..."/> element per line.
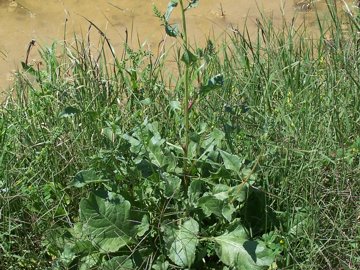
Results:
<point x="248" y="161"/>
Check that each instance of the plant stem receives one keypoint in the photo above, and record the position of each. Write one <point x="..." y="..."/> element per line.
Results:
<point x="186" y="97"/>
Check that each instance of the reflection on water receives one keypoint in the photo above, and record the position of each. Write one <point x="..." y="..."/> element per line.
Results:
<point x="44" y="21"/>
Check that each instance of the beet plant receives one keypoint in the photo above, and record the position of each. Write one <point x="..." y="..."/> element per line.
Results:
<point x="173" y="202"/>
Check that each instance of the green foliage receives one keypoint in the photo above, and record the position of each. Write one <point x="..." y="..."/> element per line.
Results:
<point x="149" y="212"/>
<point x="181" y="243"/>
<point x="214" y="83"/>
<point x="106" y="222"/>
<point x="236" y="250"/>
<point x="100" y="170"/>
<point x="85" y="177"/>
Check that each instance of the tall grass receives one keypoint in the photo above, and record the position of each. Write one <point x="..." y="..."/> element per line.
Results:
<point x="290" y="102"/>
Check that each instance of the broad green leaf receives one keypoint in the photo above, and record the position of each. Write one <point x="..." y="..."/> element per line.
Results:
<point x="87" y="262"/>
<point x="111" y="132"/>
<point x="159" y="155"/>
<point x="153" y="127"/>
<point x="235" y="250"/>
<point x="107" y="222"/>
<point x="69" y="111"/>
<point x="143" y="227"/>
<point x="264" y="255"/>
<point x="181" y="243"/>
<point x="85" y="177"/>
<point x="212" y="141"/>
<point x="170" y="161"/>
<point x="118" y="263"/>
<point x="221" y="191"/>
<point x="73" y="248"/>
<point x="227" y="211"/>
<point x="161" y="263"/>
<point x="231" y="162"/>
<point x="196" y="188"/>
<point x="211" y="205"/>
<point x="214" y="138"/>
<point x="249" y="174"/>
<point x="214" y="83"/>
<point x="136" y="146"/>
<point x="217" y="203"/>
<point x="145" y="167"/>
<point x="68" y="255"/>
<point x="161" y="266"/>
<point x="172" y="184"/>
<point x="83" y="247"/>
<point x="155" y="150"/>
<point x="240" y="192"/>
<point x="171" y="29"/>
<point x="77" y="230"/>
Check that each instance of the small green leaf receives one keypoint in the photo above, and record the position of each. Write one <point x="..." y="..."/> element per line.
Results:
<point x="155" y="150"/>
<point x="69" y="111"/>
<point x="143" y="227"/>
<point x="196" y="188"/>
<point x="159" y="155"/>
<point x="193" y="150"/>
<point x="192" y="4"/>
<point x="231" y="162"/>
<point x="188" y="57"/>
<point x="119" y="262"/>
<point x="87" y="262"/>
<point x="29" y="69"/>
<point x="172" y="4"/>
<point x="109" y="133"/>
<point x="182" y="243"/>
<point x="136" y="145"/>
<point x="211" y="205"/>
<point x="227" y="211"/>
<point x="85" y="177"/>
<point x="170" y="161"/>
<point x="221" y="191"/>
<point x="175" y="105"/>
<point x="172" y="30"/>
<point x="300" y="222"/>
<point x="161" y="263"/>
<point x="172" y="184"/>
<point x="214" y="83"/>
<point x="240" y="192"/>
<point x="68" y="255"/>
<point x="83" y="246"/>
<point x="212" y="141"/>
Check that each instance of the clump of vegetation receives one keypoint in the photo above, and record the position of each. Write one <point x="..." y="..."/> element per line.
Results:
<point x="248" y="158"/>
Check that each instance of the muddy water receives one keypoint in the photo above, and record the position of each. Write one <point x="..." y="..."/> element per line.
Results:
<point x="44" y="21"/>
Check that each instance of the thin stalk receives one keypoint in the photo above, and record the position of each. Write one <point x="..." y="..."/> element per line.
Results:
<point x="186" y="97"/>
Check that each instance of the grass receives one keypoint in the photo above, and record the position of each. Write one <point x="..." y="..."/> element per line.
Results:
<point x="289" y="107"/>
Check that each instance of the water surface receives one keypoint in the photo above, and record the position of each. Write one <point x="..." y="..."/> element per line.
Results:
<point x="44" y="21"/>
